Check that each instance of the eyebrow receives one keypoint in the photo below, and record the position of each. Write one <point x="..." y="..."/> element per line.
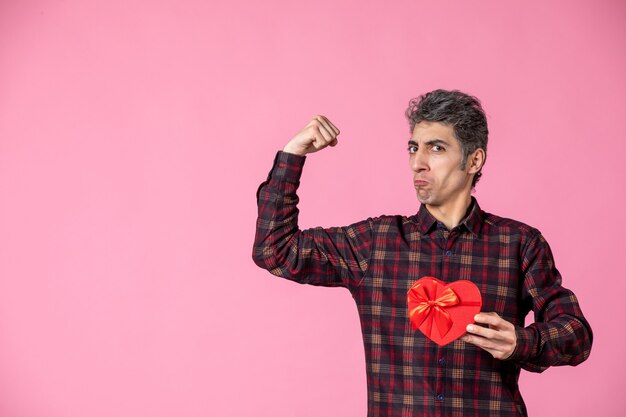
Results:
<point x="430" y="142"/>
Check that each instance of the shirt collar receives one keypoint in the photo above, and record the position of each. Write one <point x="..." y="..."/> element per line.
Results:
<point x="472" y="221"/>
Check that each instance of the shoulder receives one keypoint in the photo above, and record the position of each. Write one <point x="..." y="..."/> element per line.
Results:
<point x="382" y="221"/>
<point x="527" y="240"/>
<point x="504" y="225"/>
<point x="388" y="220"/>
<point x="391" y="225"/>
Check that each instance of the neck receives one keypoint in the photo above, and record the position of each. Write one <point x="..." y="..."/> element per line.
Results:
<point x="452" y="213"/>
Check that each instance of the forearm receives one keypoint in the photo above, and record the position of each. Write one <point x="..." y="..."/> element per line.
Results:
<point x="277" y="223"/>
<point x="566" y="340"/>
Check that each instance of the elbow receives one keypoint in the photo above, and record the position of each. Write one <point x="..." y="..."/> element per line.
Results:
<point x="585" y="344"/>
<point x="259" y="256"/>
<point x="579" y="347"/>
<point x="270" y="258"/>
<point x="266" y="257"/>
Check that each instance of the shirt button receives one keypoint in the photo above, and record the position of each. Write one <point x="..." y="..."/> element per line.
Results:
<point x="442" y="361"/>
<point x="448" y="253"/>
<point x="439" y="397"/>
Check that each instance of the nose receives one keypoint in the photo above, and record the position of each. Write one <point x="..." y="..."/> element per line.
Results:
<point x="418" y="161"/>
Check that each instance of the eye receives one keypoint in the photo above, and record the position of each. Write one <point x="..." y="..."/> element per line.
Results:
<point x="438" y="148"/>
<point x="412" y="149"/>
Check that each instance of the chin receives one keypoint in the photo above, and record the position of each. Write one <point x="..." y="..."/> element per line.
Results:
<point x="425" y="199"/>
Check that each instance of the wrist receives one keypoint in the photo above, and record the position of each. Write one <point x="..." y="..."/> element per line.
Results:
<point x="294" y="149"/>
<point x="525" y="344"/>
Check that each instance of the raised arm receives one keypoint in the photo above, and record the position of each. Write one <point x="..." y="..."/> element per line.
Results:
<point x="335" y="256"/>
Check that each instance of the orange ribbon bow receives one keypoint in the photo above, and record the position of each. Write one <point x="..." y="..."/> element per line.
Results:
<point x="422" y="307"/>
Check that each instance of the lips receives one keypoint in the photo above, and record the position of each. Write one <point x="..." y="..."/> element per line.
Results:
<point x="419" y="182"/>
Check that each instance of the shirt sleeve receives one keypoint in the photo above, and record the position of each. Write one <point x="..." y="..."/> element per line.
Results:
<point x="336" y="256"/>
<point x="560" y="335"/>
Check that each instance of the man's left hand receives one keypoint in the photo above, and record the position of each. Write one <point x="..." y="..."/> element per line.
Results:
<point x="499" y="339"/>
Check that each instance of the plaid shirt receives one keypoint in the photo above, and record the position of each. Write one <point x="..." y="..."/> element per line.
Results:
<point x="378" y="260"/>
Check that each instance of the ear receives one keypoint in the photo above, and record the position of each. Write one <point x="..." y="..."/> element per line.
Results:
<point x="476" y="160"/>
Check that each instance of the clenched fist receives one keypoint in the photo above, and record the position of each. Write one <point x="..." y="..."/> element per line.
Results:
<point x="316" y="135"/>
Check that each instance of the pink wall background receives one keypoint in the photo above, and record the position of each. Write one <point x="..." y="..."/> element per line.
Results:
<point x="133" y="136"/>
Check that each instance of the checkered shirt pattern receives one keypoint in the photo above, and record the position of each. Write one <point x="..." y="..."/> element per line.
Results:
<point x="378" y="260"/>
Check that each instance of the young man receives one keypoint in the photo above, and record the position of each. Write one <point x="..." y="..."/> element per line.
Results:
<point x="450" y="238"/>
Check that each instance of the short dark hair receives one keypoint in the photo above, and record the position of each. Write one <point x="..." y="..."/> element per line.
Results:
<point x="456" y="109"/>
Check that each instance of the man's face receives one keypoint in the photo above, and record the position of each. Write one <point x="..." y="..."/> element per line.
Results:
<point x="435" y="158"/>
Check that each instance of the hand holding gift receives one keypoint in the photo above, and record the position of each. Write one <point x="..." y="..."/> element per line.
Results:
<point x="499" y="338"/>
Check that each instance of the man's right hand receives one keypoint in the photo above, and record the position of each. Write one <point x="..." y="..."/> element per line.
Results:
<point x="316" y="135"/>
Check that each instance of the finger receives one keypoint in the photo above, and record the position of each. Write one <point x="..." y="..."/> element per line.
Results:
<point x="481" y="342"/>
<point x="319" y="141"/>
<point x="490" y="345"/>
<point x="331" y="125"/>
<point x="334" y="127"/>
<point x="482" y="332"/>
<point x="330" y="128"/>
<point x="325" y="128"/>
<point x="497" y="351"/>
<point x="492" y="319"/>
<point x="319" y="127"/>
<point x="322" y="138"/>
